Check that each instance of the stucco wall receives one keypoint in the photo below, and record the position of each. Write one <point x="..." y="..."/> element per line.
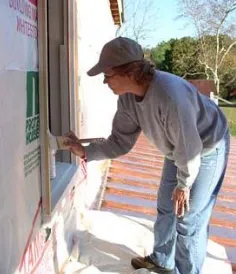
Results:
<point x="98" y="103"/>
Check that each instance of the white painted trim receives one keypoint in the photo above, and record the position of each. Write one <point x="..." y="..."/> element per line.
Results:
<point x="43" y="103"/>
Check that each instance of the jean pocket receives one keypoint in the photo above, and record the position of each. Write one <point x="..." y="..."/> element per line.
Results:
<point x="210" y="154"/>
<point x="210" y="160"/>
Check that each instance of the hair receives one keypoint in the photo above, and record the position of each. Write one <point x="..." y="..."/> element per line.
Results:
<point x="141" y="71"/>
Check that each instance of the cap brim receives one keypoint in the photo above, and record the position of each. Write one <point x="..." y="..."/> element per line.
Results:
<point x="97" y="69"/>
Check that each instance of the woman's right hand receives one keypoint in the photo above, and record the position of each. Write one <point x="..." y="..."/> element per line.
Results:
<point x="74" y="144"/>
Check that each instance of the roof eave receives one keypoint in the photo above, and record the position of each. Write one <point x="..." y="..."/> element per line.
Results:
<point x="116" y="7"/>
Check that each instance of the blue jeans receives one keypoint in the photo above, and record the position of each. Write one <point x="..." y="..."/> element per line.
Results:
<point x="180" y="243"/>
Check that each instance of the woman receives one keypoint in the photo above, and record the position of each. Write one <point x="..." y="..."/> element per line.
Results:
<point x="188" y="128"/>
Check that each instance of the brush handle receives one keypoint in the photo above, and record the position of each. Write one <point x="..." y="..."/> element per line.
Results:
<point x="90" y="140"/>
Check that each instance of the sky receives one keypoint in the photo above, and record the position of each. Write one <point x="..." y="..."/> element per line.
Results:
<point x="163" y="21"/>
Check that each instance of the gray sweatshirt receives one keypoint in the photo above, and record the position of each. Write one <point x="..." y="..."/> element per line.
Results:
<point x="183" y="123"/>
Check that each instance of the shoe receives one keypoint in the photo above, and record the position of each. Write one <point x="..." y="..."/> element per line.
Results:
<point x="146" y="262"/>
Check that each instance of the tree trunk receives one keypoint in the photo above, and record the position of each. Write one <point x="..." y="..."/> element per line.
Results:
<point x="217" y="83"/>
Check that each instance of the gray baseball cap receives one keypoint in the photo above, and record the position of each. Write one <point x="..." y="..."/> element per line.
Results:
<point x="117" y="52"/>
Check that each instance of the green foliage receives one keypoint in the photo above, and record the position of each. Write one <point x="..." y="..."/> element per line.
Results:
<point x="158" y="54"/>
<point x="184" y="56"/>
<point x="178" y="56"/>
<point x="230" y="113"/>
<point x="228" y="84"/>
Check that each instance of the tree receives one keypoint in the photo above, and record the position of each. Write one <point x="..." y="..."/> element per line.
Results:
<point x="181" y="57"/>
<point x="158" y="55"/>
<point x="214" y="21"/>
<point x="140" y="19"/>
<point x="228" y="75"/>
<point x="178" y="56"/>
<point x="185" y="53"/>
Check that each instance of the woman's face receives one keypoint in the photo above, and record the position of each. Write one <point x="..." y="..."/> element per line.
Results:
<point x="118" y="84"/>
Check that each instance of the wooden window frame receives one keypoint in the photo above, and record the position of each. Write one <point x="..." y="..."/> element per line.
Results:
<point x="68" y="92"/>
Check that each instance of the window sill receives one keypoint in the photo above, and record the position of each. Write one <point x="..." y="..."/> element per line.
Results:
<point x="64" y="176"/>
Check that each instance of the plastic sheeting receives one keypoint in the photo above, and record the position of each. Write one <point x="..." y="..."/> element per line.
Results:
<point x="106" y="242"/>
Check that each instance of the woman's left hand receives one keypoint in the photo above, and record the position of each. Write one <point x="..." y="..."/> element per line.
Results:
<point x="180" y="198"/>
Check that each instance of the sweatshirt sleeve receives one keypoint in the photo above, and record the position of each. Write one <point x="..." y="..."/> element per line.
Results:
<point x="182" y="131"/>
<point x="123" y="137"/>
